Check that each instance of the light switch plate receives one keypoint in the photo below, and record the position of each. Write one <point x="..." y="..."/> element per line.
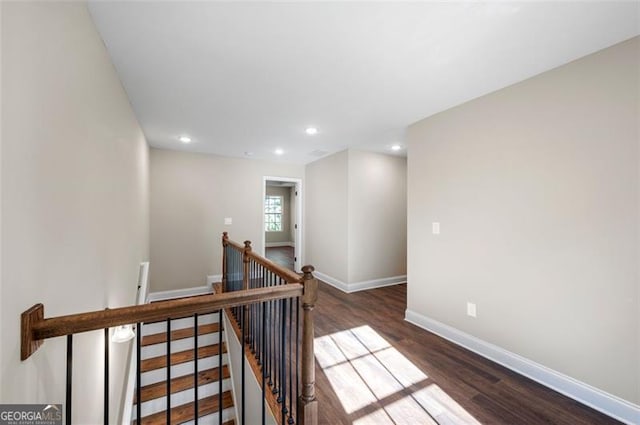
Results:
<point x="435" y="228"/>
<point x="471" y="309"/>
<point x="228" y="221"/>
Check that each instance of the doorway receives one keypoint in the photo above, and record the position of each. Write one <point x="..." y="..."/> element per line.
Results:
<point x="282" y="221"/>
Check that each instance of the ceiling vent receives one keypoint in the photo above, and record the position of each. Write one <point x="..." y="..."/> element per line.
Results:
<point x="318" y="153"/>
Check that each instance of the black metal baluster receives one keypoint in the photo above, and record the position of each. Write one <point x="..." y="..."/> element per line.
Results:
<point x="220" y="371"/>
<point x="69" y="377"/>
<point x="274" y="334"/>
<point x="290" y="363"/>
<point x="276" y="345"/>
<point x="252" y="318"/>
<point x="268" y="340"/>
<point x="138" y="373"/>
<point x="235" y="276"/>
<point x="259" y="270"/>
<point x="106" y="376"/>
<point x="298" y="368"/>
<point x="196" y="378"/>
<point x="265" y="362"/>
<point x="242" y="342"/>
<point x="169" y="371"/>
<point x="259" y="348"/>
<point x="256" y="309"/>
<point x="283" y="371"/>
<point x="264" y="330"/>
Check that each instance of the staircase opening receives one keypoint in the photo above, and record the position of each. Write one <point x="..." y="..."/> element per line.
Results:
<point x="195" y="358"/>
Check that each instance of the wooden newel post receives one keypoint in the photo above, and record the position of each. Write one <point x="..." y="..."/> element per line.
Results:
<point x="225" y="242"/>
<point x="307" y="403"/>
<point x="245" y="281"/>
<point x="245" y="261"/>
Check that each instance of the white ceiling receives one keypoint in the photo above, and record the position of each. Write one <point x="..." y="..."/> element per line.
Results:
<point x="250" y="77"/>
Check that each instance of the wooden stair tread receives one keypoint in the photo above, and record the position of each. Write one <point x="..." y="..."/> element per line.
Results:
<point x="178" y="334"/>
<point x="159" y="389"/>
<point x="185" y="412"/>
<point x="180" y="357"/>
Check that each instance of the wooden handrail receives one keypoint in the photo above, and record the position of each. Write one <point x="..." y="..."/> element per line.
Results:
<point x="227" y="241"/>
<point x="36" y="328"/>
<point x="288" y="275"/>
<point x="307" y="404"/>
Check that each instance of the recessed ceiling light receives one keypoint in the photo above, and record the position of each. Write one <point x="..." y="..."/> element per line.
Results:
<point x="396" y="148"/>
<point x="185" y="139"/>
<point x="311" y="131"/>
<point x="278" y="151"/>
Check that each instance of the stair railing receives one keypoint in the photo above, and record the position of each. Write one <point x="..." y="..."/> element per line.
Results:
<point x="278" y="334"/>
<point x="35" y="329"/>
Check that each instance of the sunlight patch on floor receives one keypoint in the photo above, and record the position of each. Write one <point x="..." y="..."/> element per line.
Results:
<point x="440" y="405"/>
<point x="349" y="387"/>
<point x="364" y="369"/>
<point x="405" y="372"/>
<point x="407" y="411"/>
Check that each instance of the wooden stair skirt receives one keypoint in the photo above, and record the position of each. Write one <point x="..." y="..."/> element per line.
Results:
<point x="153" y="392"/>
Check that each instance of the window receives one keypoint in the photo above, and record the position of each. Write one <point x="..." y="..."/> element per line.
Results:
<point x="273" y="213"/>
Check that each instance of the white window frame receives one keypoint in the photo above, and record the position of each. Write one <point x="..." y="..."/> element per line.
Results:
<point x="277" y="215"/>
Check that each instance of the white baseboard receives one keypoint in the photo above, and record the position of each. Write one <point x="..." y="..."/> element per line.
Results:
<point x="360" y="286"/>
<point x="602" y="401"/>
<point x="278" y="244"/>
<point x="179" y="293"/>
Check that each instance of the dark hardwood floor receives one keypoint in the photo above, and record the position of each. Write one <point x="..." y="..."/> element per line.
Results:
<point x="374" y="368"/>
<point x="282" y="255"/>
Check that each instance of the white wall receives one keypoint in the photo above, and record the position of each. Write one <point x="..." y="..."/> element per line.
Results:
<point x="356" y="218"/>
<point x="191" y="194"/>
<point x="1" y="115"/>
<point x="253" y="388"/>
<point x="326" y="215"/>
<point x="377" y="216"/>
<point x="536" y="188"/>
<point x="74" y="198"/>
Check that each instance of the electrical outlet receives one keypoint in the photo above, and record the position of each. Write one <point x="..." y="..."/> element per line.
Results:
<point x="228" y="221"/>
<point x="435" y="228"/>
<point x="471" y="309"/>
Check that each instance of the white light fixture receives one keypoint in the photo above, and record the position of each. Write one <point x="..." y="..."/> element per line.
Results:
<point x="311" y="131"/>
<point x="122" y="333"/>
<point x="396" y="148"/>
<point x="185" y="139"/>
<point x="278" y="151"/>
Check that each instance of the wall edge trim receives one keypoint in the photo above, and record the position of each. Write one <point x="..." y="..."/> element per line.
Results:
<point x="360" y="286"/>
<point x="179" y="293"/>
<point x="279" y="244"/>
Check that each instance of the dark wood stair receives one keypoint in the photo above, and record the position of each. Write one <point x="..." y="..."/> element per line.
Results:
<point x="177" y="334"/>
<point x="185" y="412"/>
<point x="159" y="389"/>
<point x="185" y="356"/>
<point x="153" y="397"/>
